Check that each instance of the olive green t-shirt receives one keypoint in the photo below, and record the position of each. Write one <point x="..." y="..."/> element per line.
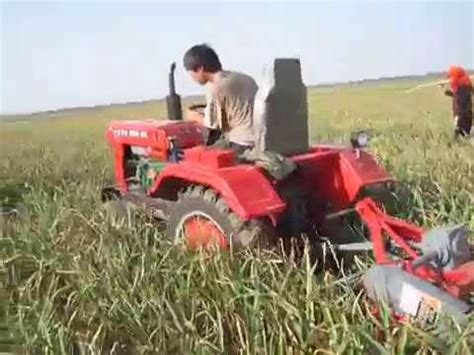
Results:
<point x="229" y="107"/>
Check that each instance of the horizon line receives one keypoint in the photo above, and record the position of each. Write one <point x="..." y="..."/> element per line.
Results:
<point x="317" y="85"/>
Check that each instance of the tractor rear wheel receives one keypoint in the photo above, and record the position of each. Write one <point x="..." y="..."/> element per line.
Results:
<point x="202" y="219"/>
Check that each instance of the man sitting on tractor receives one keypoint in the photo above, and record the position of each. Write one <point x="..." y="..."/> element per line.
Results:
<point x="230" y="99"/>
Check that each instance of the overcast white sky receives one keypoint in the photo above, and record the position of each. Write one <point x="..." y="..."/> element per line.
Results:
<point x="64" y="54"/>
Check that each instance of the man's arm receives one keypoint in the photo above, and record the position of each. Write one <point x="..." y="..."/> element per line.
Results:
<point x="211" y="118"/>
<point x="448" y="92"/>
<point x="195" y="113"/>
<point x="194" y="116"/>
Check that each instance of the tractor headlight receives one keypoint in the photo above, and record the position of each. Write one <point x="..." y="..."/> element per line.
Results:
<point x="360" y="139"/>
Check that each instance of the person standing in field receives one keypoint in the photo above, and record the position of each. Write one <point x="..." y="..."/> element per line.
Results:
<point x="461" y="92"/>
<point x="230" y="99"/>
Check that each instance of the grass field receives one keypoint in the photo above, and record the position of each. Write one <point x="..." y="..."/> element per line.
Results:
<point x="69" y="276"/>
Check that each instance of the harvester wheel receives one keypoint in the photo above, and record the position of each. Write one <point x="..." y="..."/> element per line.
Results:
<point x="202" y="219"/>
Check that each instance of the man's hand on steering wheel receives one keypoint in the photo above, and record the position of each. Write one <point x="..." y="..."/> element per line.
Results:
<point x="195" y="113"/>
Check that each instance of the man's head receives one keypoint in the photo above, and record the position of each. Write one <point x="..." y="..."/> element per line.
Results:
<point x="458" y="77"/>
<point x="201" y="61"/>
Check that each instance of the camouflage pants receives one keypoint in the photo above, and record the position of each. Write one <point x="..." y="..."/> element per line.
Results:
<point x="224" y="143"/>
<point x="279" y="167"/>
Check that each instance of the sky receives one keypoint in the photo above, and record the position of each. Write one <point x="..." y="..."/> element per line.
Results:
<point x="68" y="54"/>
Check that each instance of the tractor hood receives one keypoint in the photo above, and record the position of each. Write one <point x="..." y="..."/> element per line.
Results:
<point x="155" y="133"/>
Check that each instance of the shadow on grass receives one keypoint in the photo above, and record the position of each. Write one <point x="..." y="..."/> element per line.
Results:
<point x="11" y="197"/>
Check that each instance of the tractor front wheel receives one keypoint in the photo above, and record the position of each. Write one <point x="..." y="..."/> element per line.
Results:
<point x="202" y="219"/>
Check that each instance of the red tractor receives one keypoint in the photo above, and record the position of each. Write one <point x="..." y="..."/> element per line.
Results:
<point x="208" y="195"/>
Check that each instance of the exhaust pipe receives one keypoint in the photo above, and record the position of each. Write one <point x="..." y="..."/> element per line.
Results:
<point x="173" y="100"/>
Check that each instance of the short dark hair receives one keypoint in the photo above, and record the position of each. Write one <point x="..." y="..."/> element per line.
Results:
<point x="202" y="55"/>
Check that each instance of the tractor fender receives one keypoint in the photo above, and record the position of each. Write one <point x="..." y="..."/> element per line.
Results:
<point x="244" y="188"/>
<point x="358" y="170"/>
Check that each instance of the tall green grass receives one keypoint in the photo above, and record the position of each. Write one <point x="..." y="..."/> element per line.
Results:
<point x="71" y="278"/>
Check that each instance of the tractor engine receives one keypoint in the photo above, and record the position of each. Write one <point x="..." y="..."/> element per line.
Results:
<point x="143" y="148"/>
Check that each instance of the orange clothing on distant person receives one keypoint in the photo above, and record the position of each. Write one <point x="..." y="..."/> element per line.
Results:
<point x="461" y="92"/>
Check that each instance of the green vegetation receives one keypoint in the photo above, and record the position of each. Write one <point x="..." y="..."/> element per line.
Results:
<point x="70" y="276"/>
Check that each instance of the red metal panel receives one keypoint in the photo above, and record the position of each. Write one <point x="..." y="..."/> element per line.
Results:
<point x="245" y="189"/>
<point x="119" y="172"/>
<point x="319" y="171"/>
<point x="460" y="281"/>
<point x="337" y="174"/>
<point x="400" y="231"/>
<point x="211" y="157"/>
<point x="359" y="169"/>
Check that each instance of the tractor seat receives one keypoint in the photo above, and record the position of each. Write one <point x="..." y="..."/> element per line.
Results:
<point x="281" y="110"/>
